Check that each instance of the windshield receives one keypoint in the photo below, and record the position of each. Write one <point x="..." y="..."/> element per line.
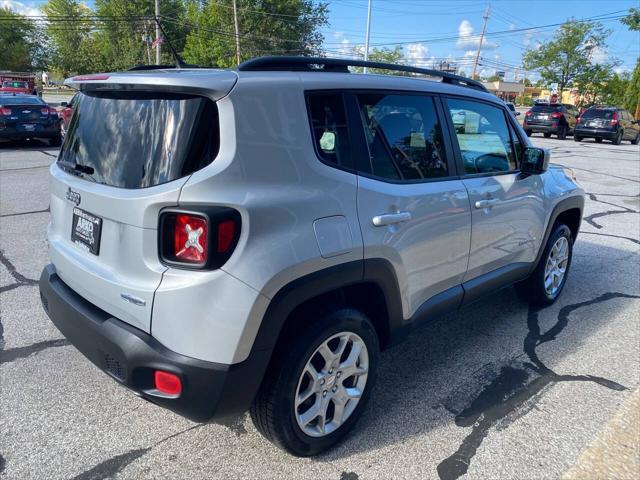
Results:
<point x="546" y="108"/>
<point x="15" y="84"/>
<point x="138" y="140"/>
<point x="598" y="113"/>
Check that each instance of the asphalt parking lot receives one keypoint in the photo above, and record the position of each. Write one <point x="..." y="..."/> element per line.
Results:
<point x="459" y="398"/>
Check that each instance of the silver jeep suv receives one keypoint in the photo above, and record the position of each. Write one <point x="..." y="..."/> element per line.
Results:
<point x="250" y="239"/>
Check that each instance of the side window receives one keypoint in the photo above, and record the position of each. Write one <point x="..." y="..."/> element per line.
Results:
<point x="483" y="136"/>
<point x="404" y="136"/>
<point x="329" y="125"/>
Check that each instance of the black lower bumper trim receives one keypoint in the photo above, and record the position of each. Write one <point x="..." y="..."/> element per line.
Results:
<point x="130" y="356"/>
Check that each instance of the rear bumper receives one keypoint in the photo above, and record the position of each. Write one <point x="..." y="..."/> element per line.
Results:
<point x="536" y="128"/>
<point x="12" y="133"/>
<point x="596" y="133"/>
<point x="130" y="356"/>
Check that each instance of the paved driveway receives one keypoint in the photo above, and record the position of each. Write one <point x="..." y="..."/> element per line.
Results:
<point x="461" y="396"/>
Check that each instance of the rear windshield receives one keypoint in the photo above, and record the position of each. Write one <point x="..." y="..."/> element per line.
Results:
<point x="546" y="108"/>
<point x="598" y="113"/>
<point x="138" y="140"/>
<point x="20" y="100"/>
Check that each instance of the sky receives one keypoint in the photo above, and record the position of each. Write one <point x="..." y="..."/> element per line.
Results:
<point x="430" y="31"/>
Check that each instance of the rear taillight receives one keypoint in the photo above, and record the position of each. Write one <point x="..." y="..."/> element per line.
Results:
<point x="5" y="111"/>
<point x="556" y="115"/>
<point x="614" y="120"/>
<point x="202" y="239"/>
<point x="528" y="114"/>
<point x="44" y="111"/>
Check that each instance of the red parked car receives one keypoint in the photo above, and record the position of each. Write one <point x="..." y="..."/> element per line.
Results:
<point x="66" y="112"/>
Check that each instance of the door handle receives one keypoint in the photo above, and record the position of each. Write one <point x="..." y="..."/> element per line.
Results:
<point x="487" y="203"/>
<point x="390" y="218"/>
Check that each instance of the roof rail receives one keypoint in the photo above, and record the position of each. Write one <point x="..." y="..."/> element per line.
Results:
<point x="340" y="65"/>
<point x="160" y="67"/>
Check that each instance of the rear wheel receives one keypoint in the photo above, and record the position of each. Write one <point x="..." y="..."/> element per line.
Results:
<point x="528" y="133"/>
<point x="547" y="135"/>
<point x="318" y="383"/>
<point x="636" y="140"/>
<point x="546" y="282"/>
<point x="598" y="140"/>
<point x="618" y="139"/>
<point x="576" y="138"/>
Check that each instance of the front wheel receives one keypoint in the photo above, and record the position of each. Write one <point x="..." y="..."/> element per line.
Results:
<point x="576" y="138"/>
<point x="547" y="134"/>
<point x="55" y="141"/>
<point x="546" y="282"/>
<point x="318" y="383"/>
<point x="528" y="133"/>
<point x="598" y="140"/>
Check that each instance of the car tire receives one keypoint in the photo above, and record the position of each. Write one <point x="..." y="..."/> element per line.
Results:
<point x="55" y="141"/>
<point x="618" y="139"/>
<point x="636" y="140"/>
<point x="527" y="133"/>
<point x="536" y="288"/>
<point x="274" y="411"/>
<point x="562" y="133"/>
<point x="576" y="138"/>
<point x="598" y="140"/>
<point x="547" y="135"/>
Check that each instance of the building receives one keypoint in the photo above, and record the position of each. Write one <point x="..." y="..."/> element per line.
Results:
<point x="507" y="91"/>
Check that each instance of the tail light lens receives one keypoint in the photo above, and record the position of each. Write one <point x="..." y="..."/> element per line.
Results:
<point x="614" y="120"/>
<point x="556" y="115"/>
<point x="45" y="111"/>
<point x="200" y="239"/>
<point x="528" y="114"/>
<point x="5" y="111"/>
<point x="167" y="383"/>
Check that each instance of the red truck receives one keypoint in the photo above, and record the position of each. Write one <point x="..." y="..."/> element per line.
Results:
<point x="18" y="82"/>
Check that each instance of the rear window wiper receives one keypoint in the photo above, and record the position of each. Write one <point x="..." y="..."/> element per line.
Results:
<point x="76" y="167"/>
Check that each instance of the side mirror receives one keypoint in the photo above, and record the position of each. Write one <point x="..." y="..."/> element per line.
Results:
<point x="535" y="161"/>
<point x="517" y="114"/>
<point x="63" y="104"/>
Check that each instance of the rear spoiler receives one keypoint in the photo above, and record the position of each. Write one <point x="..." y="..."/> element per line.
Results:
<point x="211" y="83"/>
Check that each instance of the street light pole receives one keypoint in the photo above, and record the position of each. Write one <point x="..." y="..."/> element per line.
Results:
<point x="157" y="32"/>
<point x="366" y="40"/>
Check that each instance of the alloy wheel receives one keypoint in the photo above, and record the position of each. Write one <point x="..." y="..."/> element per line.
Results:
<point x="331" y="384"/>
<point x="556" y="266"/>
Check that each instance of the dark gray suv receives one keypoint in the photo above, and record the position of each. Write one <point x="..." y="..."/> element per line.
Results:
<point x="609" y="123"/>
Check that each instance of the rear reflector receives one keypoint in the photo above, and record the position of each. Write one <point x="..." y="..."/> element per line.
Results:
<point x="168" y="383"/>
<point x="226" y="234"/>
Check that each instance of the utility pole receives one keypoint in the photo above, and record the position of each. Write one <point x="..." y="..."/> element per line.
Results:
<point x="366" y="40"/>
<point x="157" y="42"/>
<point x="484" y="27"/>
<point x="235" y="20"/>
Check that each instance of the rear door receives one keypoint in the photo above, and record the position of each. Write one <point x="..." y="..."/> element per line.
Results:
<point x="507" y="207"/>
<point x="126" y="155"/>
<point x="413" y="210"/>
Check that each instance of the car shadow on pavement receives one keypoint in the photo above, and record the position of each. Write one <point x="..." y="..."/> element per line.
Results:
<point x="29" y="144"/>
<point x="483" y="367"/>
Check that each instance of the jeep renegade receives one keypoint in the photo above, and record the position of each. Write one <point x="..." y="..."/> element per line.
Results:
<point x="250" y="239"/>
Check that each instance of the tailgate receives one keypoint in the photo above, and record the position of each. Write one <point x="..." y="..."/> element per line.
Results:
<point x="124" y="274"/>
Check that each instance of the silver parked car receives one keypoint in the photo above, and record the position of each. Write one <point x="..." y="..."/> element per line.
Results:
<point x="250" y="239"/>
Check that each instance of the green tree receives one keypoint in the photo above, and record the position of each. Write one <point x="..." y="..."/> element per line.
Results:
<point x="69" y="30"/>
<point x="266" y="27"/>
<point x="569" y="54"/>
<point x="633" y="19"/>
<point x="126" y="28"/>
<point x="382" y="55"/>
<point x="22" y="47"/>
<point x="631" y="100"/>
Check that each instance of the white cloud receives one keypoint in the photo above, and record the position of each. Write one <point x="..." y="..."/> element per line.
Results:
<point x="470" y="54"/>
<point x="467" y="39"/>
<point x="599" y="55"/>
<point x="416" y="54"/>
<point x="20" y="7"/>
<point x="345" y="48"/>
